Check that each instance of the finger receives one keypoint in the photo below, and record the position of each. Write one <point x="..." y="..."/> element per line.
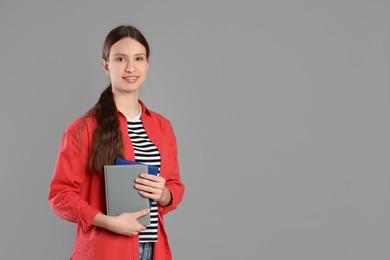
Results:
<point x="148" y="195"/>
<point x="147" y="182"/>
<point x="141" y="213"/>
<point x="153" y="184"/>
<point x="148" y="189"/>
<point x="140" y="227"/>
<point x="143" y="228"/>
<point x="152" y="177"/>
<point x="148" y="176"/>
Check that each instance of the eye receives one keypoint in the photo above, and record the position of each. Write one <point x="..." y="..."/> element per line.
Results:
<point x="139" y="58"/>
<point x="120" y="59"/>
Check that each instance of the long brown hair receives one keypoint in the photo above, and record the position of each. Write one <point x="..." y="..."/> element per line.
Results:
<point x="107" y="137"/>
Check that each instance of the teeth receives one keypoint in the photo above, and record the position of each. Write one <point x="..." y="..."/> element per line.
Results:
<point x="131" y="79"/>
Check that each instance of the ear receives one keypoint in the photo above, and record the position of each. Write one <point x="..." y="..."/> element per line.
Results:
<point x="105" y="67"/>
<point x="147" y="64"/>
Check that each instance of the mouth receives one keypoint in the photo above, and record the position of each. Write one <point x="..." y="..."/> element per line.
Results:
<point x="131" y="79"/>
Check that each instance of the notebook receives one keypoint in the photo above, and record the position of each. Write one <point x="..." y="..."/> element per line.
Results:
<point x="121" y="195"/>
<point x="152" y="169"/>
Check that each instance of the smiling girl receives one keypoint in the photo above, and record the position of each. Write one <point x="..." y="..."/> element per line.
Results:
<point x="119" y="125"/>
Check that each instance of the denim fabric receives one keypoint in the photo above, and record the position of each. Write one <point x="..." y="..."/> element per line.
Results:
<point x="145" y="251"/>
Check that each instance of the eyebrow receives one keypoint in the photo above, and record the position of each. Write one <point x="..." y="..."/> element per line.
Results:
<point x="122" y="54"/>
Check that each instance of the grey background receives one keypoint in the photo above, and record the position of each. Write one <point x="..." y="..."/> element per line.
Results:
<point x="280" y="109"/>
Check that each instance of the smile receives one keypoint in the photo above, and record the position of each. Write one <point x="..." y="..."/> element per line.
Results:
<point x="131" y="79"/>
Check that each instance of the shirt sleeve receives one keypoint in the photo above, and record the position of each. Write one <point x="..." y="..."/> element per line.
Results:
<point x="68" y="177"/>
<point x="173" y="182"/>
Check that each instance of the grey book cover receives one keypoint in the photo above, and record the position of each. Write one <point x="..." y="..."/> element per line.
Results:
<point x="121" y="195"/>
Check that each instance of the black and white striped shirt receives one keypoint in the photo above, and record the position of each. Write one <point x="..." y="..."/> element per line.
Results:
<point x="145" y="152"/>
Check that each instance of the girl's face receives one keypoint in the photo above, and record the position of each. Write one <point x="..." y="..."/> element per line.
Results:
<point x="127" y="66"/>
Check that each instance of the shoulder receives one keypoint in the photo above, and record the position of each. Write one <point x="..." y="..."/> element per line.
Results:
<point x="154" y="116"/>
<point x="81" y="125"/>
<point x="159" y="120"/>
<point x="157" y="116"/>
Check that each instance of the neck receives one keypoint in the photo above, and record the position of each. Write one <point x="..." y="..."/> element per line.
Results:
<point x="127" y="103"/>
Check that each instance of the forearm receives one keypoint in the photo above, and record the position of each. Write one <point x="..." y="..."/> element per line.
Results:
<point x="124" y="224"/>
<point x="101" y="220"/>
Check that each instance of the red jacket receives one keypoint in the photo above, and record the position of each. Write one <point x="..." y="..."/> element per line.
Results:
<point x="77" y="195"/>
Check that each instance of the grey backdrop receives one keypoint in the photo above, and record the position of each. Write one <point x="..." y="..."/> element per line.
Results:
<point x="280" y="109"/>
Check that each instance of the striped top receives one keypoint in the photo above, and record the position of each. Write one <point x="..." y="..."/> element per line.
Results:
<point x="145" y="152"/>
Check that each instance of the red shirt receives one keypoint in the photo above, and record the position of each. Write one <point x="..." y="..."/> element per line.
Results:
<point x="78" y="195"/>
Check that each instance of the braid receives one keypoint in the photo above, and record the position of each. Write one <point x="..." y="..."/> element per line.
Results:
<point x="107" y="137"/>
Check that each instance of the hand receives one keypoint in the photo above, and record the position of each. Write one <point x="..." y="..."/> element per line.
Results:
<point x="153" y="187"/>
<point x="124" y="224"/>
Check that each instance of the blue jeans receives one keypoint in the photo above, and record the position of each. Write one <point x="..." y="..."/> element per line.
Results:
<point x="145" y="251"/>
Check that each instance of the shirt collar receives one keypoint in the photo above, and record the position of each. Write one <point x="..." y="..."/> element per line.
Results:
<point x="143" y="107"/>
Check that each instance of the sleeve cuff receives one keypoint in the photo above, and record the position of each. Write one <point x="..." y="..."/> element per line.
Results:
<point x="86" y="217"/>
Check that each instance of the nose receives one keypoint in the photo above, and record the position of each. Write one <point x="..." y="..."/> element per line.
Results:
<point x="130" y="66"/>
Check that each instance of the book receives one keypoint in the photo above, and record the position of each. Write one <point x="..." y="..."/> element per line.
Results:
<point x="152" y="169"/>
<point x="121" y="195"/>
